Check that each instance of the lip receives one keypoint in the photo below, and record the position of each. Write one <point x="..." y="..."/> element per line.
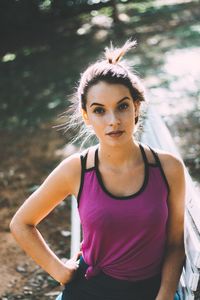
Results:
<point x="115" y="133"/>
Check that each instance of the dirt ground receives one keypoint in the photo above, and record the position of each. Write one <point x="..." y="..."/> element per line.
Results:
<point x="24" y="165"/>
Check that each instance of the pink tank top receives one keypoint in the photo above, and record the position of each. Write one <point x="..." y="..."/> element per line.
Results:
<point x="124" y="237"/>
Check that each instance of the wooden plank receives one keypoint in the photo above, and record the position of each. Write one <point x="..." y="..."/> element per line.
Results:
<point x="193" y="204"/>
<point x="192" y="241"/>
<point x="185" y="294"/>
<point x="156" y="134"/>
<point x="75" y="227"/>
<point x="191" y="276"/>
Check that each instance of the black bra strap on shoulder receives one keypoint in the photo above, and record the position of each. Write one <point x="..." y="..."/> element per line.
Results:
<point x="143" y="153"/>
<point x="84" y="161"/>
<point x="157" y="159"/>
<point x="96" y="158"/>
<point x="155" y="155"/>
<point x="83" y="158"/>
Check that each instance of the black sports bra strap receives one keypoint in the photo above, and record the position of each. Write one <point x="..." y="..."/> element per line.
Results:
<point x="155" y="154"/>
<point x="84" y="161"/>
<point x="143" y="154"/>
<point x="83" y="158"/>
<point x="96" y="158"/>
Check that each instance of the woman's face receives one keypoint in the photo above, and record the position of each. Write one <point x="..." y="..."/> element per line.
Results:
<point x="111" y="112"/>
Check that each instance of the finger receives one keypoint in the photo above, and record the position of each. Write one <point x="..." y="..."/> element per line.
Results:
<point x="77" y="255"/>
<point x="77" y="264"/>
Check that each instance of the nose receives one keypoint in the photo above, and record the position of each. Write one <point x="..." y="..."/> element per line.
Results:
<point x="113" y="119"/>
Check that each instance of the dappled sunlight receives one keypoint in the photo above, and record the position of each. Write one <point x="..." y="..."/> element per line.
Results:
<point x="84" y="29"/>
<point x="195" y="28"/>
<point x="185" y="65"/>
<point x="171" y="103"/>
<point x="48" y="58"/>
<point x="44" y="5"/>
<point x="124" y="18"/>
<point x="154" y="40"/>
<point x="180" y="74"/>
<point x="101" y="35"/>
<point x="91" y="2"/>
<point x="175" y="90"/>
<point x="97" y="20"/>
<point x="171" y="2"/>
<point x="8" y="57"/>
<point x="31" y="50"/>
<point x="102" y="21"/>
<point x="54" y="104"/>
<point x="26" y="51"/>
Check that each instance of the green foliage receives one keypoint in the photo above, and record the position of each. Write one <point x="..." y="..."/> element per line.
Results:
<point x="40" y="69"/>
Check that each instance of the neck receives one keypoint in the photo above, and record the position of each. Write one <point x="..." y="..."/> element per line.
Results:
<point x="119" y="156"/>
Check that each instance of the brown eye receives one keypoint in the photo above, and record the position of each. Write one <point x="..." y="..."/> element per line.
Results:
<point x="98" y="110"/>
<point x="123" y="106"/>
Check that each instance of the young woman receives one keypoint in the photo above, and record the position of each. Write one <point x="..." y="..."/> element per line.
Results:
<point x="130" y="198"/>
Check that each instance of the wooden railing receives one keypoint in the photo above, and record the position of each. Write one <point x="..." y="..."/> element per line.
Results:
<point x="156" y="134"/>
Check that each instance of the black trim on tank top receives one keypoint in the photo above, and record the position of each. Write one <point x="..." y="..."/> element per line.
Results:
<point x="158" y="163"/>
<point x="90" y="169"/>
<point x="83" y="167"/>
<point x="141" y="189"/>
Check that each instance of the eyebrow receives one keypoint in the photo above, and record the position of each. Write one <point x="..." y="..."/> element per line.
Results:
<point x="99" y="104"/>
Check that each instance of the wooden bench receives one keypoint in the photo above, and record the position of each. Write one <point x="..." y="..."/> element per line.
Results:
<point x="157" y="135"/>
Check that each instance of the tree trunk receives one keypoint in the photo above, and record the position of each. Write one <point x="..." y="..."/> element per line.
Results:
<point x="115" y="13"/>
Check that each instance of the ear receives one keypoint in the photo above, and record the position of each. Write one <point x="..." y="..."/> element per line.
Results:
<point x="85" y="116"/>
<point x="137" y="108"/>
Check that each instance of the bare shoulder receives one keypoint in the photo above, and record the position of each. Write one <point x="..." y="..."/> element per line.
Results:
<point x="71" y="169"/>
<point x="63" y="180"/>
<point x="172" y="165"/>
<point x="71" y="164"/>
<point x="170" y="162"/>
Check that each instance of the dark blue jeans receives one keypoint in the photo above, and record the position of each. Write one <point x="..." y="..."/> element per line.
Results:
<point x="104" y="287"/>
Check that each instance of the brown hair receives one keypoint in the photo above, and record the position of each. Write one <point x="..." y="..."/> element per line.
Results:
<point x="110" y="70"/>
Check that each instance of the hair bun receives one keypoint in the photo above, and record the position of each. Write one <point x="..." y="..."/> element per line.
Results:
<point x="113" y="55"/>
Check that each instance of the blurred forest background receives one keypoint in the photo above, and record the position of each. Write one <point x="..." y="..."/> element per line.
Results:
<point x="45" y="45"/>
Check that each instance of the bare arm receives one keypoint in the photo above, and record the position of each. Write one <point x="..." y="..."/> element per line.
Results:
<point x="63" y="181"/>
<point x="175" y="254"/>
